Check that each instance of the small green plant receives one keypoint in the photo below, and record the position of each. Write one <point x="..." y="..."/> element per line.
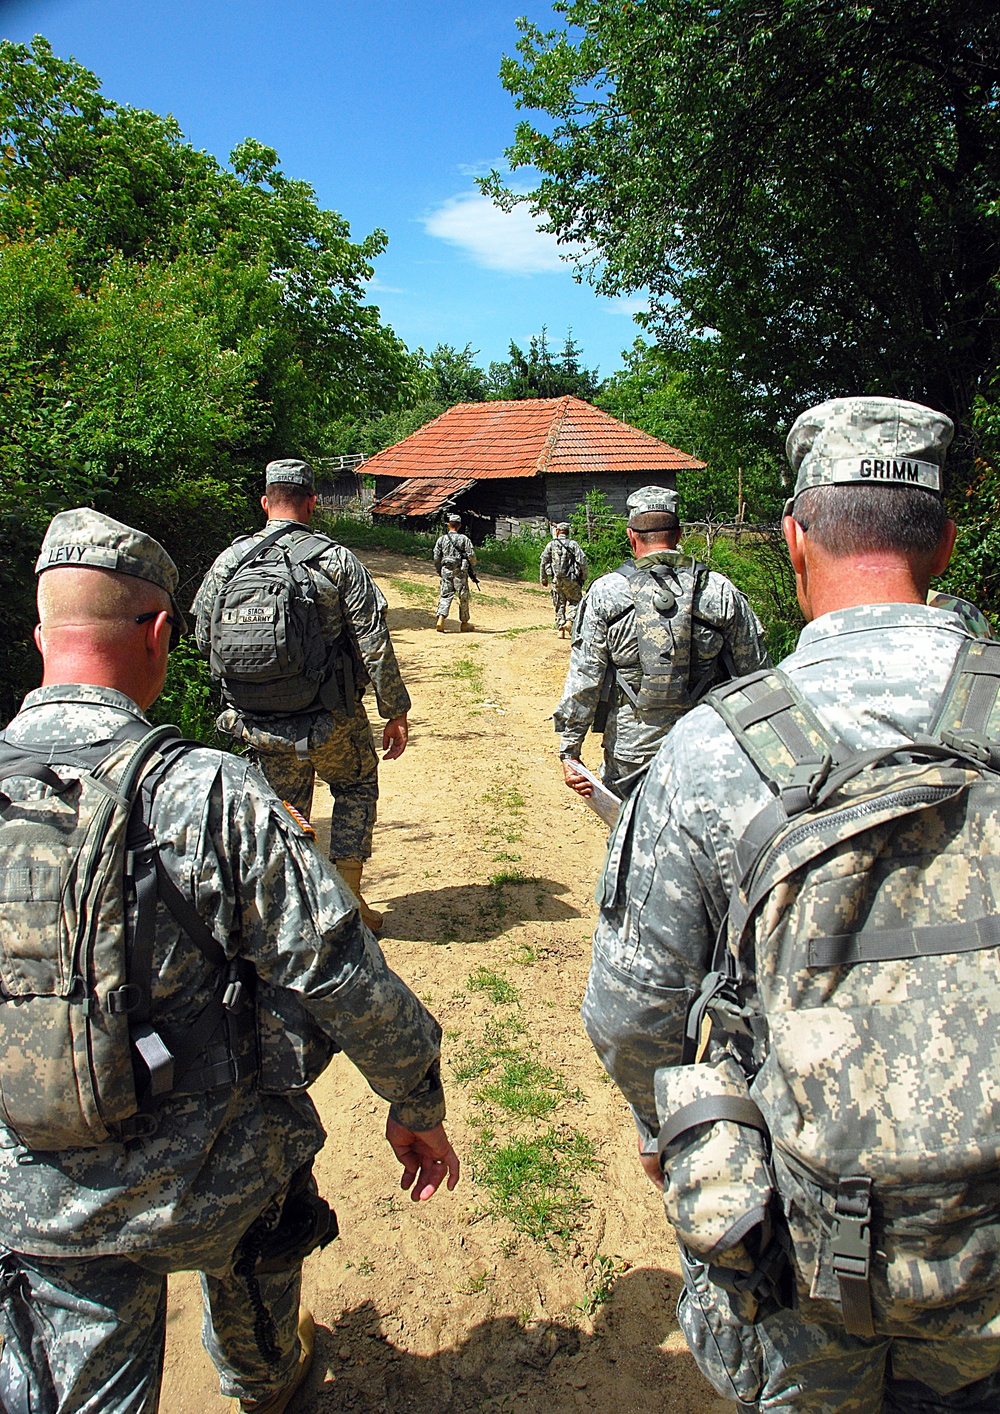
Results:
<point x="606" y="1272"/>
<point x="507" y="876"/>
<point x="476" y="1284"/>
<point x="525" y="955"/>
<point x="524" y="1086"/>
<point x="468" y="671"/>
<point x="494" y="984"/>
<point x="479" y="1057"/>
<point x="532" y="1180"/>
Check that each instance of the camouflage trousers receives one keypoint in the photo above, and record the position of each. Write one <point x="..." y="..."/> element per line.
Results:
<point x="86" y="1336"/>
<point x="341" y="753"/>
<point x="623" y="776"/>
<point x="454" y="581"/>
<point x="565" y="608"/>
<point x="784" y="1362"/>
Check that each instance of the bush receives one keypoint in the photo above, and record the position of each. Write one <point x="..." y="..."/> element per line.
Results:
<point x="190" y="699"/>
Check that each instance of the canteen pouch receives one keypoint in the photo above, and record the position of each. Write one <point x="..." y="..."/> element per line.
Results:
<point x="717" y="1179"/>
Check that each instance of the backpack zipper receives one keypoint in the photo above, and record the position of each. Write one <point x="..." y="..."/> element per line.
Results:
<point x="913" y="795"/>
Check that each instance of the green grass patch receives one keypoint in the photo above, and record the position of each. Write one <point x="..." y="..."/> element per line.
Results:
<point x="528" y="628"/>
<point x="494" y="984"/>
<point x="605" y="1273"/>
<point x="498" y="1044"/>
<point x="468" y="671"/>
<point x="532" y="1180"/>
<point x="413" y="589"/>
<point x="524" y="1086"/>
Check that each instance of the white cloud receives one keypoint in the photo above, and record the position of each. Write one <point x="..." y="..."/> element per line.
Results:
<point x="628" y="304"/>
<point x="498" y="240"/>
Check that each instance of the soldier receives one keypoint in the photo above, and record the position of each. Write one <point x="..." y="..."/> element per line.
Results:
<point x="212" y="1170"/>
<point x="870" y="668"/>
<point x="453" y="556"/>
<point x="564" y="563"/>
<point x="293" y="626"/>
<point x="653" y="637"/>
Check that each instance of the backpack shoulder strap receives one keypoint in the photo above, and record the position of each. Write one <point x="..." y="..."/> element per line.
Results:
<point x="307" y="547"/>
<point x="260" y="548"/>
<point x="968" y="717"/>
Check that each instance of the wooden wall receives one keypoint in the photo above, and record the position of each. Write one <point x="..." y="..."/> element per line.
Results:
<point x="564" y="493"/>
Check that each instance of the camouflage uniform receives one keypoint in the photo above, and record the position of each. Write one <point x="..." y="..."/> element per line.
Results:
<point x="974" y="619"/>
<point x="874" y="675"/>
<point x="341" y="749"/>
<point x="606" y="634"/>
<point x="453" y="554"/>
<point x="89" y="1234"/>
<point x="576" y="568"/>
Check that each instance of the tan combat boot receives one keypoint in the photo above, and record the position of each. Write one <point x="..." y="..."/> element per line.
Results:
<point x="278" y="1403"/>
<point x="351" y="871"/>
<point x="440" y="623"/>
<point x="466" y="627"/>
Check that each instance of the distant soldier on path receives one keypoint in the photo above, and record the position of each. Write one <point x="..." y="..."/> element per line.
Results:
<point x="562" y="570"/>
<point x="293" y="626"/>
<point x="453" y="556"/>
<point x="652" y="638"/>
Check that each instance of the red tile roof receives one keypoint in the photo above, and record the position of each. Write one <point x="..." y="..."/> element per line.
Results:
<point x="527" y="438"/>
<point x="421" y="496"/>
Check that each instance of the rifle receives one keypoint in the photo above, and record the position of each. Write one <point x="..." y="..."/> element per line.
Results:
<point x="473" y="576"/>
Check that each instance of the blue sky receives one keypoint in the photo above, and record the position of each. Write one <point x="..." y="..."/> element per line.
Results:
<point x="389" y="108"/>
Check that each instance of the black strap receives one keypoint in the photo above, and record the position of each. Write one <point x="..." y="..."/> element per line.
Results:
<point x="711" y="1109"/>
<point x="260" y="548"/>
<point x="889" y="944"/>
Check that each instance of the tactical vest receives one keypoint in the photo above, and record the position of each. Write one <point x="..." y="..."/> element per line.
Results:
<point x="673" y="673"/>
<point x="267" y="642"/>
<point x="845" y="1050"/>
<point x="453" y="555"/>
<point x="80" y="881"/>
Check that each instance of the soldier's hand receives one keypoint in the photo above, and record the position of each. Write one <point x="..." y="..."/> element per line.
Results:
<point x="395" y="735"/>
<point x="574" y="780"/>
<point x="427" y="1158"/>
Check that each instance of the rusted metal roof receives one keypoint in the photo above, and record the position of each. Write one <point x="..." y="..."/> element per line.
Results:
<point x="531" y="437"/>
<point x="421" y="496"/>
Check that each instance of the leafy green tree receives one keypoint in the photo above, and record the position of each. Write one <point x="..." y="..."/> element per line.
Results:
<point x="687" y="400"/>
<point x="539" y="373"/>
<point x="810" y="183"/>
<point x="166" y="325"/>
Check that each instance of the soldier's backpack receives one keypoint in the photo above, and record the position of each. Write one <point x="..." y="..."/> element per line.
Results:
<point x="80" y="1062"/>
<point x="565" y="571"/>
<point x="856" y="991"/>
<point x="267" y="643"/>
<point x="675" y="674"/>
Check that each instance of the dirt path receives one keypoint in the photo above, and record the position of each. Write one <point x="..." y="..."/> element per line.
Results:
<point x="484" y="866"/>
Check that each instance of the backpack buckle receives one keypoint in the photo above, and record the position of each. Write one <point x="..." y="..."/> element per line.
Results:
<point x="972" y="744"/>
<point x="851" y="1254"/>
<point x="124" y="998"/>
<point x="804" y="783"/>
<point x="234" y="996"/>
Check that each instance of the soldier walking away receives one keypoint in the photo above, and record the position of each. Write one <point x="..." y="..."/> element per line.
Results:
<point x="651" y="639"/>
<point x="293" y="627"/>
<point x="562" y="569"/>
<point x="794" y="976"/>
<point x="453" y="556"/>
<point x="178" y="965"/>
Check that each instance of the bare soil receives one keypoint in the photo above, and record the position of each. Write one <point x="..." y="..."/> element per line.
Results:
<point x="449" y="1305"/>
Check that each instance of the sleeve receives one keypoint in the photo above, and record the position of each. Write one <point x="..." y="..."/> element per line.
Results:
<point x="581" y="560"/>
<point x="201" y="610"/>
<point x="653" y="941"/>
<point x="588" y="664"/>
<point x="364" y="607"/>
<point x="300" y="928"/>
<point x="545" y="563"/>
<point x="437" y="553"/>
<point x="743" y="633"/>
<point x="470" y="553"/>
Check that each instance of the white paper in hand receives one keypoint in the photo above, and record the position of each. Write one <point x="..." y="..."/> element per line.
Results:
<point x="603" y="802"/>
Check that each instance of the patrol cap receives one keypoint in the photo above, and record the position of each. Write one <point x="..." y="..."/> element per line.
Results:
<point x="87" y="539"/>
<point x="870" y="441"/>
<point x="292" y="472"/>
<point x="563" y="525"/>
<point x="454" y="519"/>
<point x="650" y="499"/>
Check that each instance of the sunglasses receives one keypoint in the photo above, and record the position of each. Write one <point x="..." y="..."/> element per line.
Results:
<point x="175" y="624"/>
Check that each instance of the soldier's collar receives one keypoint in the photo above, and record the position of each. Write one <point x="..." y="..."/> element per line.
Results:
<point x="86" y="692"/>
<point x="664" y="557"/>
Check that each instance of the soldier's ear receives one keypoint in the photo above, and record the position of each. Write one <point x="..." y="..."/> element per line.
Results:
<point x="942" y="555"/>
